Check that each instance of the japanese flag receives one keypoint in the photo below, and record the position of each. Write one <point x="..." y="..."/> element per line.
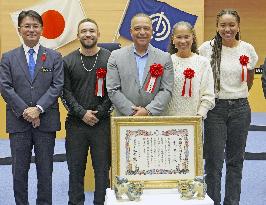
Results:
<point x="60" y="21"/>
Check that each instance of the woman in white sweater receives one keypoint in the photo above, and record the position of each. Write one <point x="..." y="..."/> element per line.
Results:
<point x="226" y="126"/>
<point x="193" y="92"/>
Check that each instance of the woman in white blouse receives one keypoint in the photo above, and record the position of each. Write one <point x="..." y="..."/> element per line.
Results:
<point x="193" y="92"/>
<point x="226" y="126"/>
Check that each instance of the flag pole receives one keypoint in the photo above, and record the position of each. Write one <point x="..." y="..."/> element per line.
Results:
<point x="123" y="15"/>
<point x="82" y="7"/>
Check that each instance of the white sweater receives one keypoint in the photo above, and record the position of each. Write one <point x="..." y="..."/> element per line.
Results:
<point x="202" y="98"/>
<point x="231" y="83"/>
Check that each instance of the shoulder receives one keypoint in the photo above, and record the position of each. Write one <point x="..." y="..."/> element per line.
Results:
<point x="122" y="50"/>
<point x="12" y="52"/>
<point x="202" y="59"/>
<point x="51" y="51"/>
<point x="173" y="57"/>
<point x="103" y="56"/>
<point x="9" y="56"/>
<point x="200" y="62"/>
<point x="52" y="55"/>
<point x="250" y="50"/>
<point x="159" y="52"/>
<point x="121" y="54"/>
<point x="70" y="59"/>
<point x="104" y="52"/>
<point x="71" y="55"/>
<point x="206" y="49"/>
<point x="246" y="45"/>
<point x="205" y="45"/>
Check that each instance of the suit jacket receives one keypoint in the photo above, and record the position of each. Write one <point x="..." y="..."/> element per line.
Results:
<point x="263" y="78"/>
<point x="20" y="92"/>
<point x="124" y="88"/>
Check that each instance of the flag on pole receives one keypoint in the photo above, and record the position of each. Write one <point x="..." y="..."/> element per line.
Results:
<point x="60" y="21"/>
<point x="163" y="18"/>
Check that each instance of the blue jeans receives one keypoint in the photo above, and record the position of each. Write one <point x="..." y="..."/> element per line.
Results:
<point x="226" y="130"/>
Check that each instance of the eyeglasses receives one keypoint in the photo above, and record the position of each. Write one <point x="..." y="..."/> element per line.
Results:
<point x="33" y="26"/>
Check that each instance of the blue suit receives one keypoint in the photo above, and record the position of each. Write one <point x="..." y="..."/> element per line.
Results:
<point x="20" y="92"/>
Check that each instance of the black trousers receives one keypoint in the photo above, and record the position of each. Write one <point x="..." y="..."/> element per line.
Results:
<point x="21" y="150"/>
<point x="79" y="139"/>
<point x="226" y="130"/>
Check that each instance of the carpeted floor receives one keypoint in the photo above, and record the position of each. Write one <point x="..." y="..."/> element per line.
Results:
<point x="253" y="183"/>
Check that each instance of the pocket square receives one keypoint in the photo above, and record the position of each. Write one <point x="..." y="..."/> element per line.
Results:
<point x="46" y="70"/>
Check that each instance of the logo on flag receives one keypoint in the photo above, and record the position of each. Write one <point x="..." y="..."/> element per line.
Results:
<point x="60" y="21"/>
<point x="163" y="17"/>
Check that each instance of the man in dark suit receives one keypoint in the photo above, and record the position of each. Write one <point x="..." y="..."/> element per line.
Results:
<point x="263" y="78"/>
<point x="31" y="79"/>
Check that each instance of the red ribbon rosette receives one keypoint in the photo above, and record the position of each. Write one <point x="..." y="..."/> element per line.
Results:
<point x="156" y="70"/>
<point x="43" y="57"/>
<point x="189" y="73"/>
<point x="244" y="60"/>
<point x="99" y="88"/>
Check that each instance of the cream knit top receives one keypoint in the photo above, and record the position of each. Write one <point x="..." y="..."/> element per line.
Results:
<point x="202" y="98"/>
<point x="231" y="85"/>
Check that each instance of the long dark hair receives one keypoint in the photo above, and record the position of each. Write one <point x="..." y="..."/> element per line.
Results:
<point x="217" y="46"/>
<point x="171" y="47"/>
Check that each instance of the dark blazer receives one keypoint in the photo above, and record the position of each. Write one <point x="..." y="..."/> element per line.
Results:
<point x="20" y="92"/>
<point x="263" y="78"/>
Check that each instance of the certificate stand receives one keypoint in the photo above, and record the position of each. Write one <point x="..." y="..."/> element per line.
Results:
<point x="156" y="197"/>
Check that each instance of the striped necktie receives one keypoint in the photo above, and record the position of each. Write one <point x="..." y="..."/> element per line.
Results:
<point x="31" y="63"/>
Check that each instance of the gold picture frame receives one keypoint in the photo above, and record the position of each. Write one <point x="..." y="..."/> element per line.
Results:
<point x="158" y="150"/>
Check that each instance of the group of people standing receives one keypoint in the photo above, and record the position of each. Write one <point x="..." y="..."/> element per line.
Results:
<point x="138" y="80"/>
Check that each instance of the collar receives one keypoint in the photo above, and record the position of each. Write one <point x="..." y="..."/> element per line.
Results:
<point x="27" y="48"/>
<point x="136" y="53"/>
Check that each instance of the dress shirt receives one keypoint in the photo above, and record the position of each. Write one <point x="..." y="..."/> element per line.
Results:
<point x="141" y="62"/>
<point x="35" y="54"/>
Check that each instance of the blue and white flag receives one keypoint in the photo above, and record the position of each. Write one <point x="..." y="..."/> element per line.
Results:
<point x="163" y="16"/>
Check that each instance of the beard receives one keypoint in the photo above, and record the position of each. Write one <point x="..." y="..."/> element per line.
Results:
<point x="88" y="46"/>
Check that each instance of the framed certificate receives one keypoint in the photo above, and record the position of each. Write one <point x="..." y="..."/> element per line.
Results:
<point x="157" y="150"/>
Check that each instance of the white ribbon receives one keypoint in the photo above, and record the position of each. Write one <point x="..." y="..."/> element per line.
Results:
<point x="151" y="85"/>
<point x="100" y="87"/>
<point x="187" y="87"/>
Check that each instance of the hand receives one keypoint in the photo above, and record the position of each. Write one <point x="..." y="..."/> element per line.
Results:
<point x="31" y="113"/>
<point x="202" y="117"/>
<point x="140" y="111"/>
<point x="36" y="122"/>
<point x="90" y="118"/>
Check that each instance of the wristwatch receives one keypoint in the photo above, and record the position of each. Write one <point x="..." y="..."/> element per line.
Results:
<point x="39" y="109"/>
<point x="149" y="113"/>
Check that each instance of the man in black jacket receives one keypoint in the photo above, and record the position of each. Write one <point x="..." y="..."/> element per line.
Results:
<point x="88" y="120"/>
<point x="263" y="78"/>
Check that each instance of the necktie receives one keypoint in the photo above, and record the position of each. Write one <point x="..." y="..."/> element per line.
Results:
<point x="31" y="62"/>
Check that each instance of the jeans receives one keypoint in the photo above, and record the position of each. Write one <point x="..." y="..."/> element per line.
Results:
<point x="226" y="130"/>
<point x="79" y="139"/>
